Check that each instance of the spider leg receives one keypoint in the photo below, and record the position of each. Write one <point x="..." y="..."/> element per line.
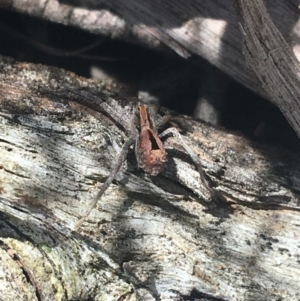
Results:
<point x="165" y="119"/>
<point x="121" y="158"/>
<point x="211" y="192"/>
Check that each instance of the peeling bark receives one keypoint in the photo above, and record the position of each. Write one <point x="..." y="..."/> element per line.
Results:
<point x="150" y="238"/>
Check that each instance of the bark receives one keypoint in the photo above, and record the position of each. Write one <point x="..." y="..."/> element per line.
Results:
<point x="149" y="238"/>
<point x="209" y="29"/>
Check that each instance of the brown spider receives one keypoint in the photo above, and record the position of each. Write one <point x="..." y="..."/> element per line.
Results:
<point x="149" y="151"/>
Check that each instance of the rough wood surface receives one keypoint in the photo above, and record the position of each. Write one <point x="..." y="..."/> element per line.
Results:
<point x="150" y="238"/>
<point x="209" y="29"/>
<point x="272" y="60"/>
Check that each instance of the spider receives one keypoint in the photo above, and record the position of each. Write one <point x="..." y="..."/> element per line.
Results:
<point x="149" y="151"/>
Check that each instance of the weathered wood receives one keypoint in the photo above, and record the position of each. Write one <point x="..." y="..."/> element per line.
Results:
<point x="209" y="29"/>
<point x="272" y="60"/>
<point x="149" y="237"/>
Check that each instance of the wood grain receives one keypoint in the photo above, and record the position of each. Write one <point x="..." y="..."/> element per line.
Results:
<point x="149" y="238"/>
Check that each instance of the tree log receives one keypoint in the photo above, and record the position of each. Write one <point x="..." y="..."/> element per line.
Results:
<point x="149" y="238"/>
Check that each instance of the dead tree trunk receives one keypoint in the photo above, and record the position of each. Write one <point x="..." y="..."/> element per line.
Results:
<point x="150" y="238"/>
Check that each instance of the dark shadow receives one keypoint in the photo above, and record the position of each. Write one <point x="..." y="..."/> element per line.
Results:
<point x="242" y="110"/>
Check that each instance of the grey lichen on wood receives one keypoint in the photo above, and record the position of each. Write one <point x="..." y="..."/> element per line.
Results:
<point x="148" y="237"/>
